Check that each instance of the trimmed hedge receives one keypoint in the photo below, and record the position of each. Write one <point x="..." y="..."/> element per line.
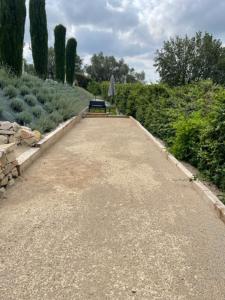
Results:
<point x="189" y="119"/>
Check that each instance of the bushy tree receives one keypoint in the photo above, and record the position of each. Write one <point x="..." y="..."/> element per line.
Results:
<point x="184" y="60"/>
<point x="60" y="52"/>
<point x="12" y="22"/>
<point x="39" y="36"/>
<point x="102" y="67"/>
<point x="71" y="49"/>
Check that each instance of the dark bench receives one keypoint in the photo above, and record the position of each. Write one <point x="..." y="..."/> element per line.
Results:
<point x="97" y="104"/>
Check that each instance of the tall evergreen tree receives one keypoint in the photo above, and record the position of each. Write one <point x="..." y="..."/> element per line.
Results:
<point x="39" y="37"/>
<point x="71" y="52"/>
<point x="60" y="52"/>
<point x="12" y="23"/>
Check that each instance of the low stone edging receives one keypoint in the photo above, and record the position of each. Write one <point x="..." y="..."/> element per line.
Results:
<point x="28" y="157"/>
<point x="200" y="187"/>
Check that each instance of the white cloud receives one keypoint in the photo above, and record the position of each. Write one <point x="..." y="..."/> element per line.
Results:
<point x="132" y="29"/>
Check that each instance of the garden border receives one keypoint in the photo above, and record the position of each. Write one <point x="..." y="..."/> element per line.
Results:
<point x="29" y="156"/>
<point x="200" y="187"/>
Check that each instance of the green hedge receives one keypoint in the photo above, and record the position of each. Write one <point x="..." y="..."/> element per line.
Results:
<point x="189" y="119"/>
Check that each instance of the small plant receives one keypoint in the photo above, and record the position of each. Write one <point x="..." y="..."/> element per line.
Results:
<point x="3" y="83"/>
<point x="30" y="100"/>
<point x="24" y="118"/>
<point x="10" y="91"/>
<point x="56" y="117"/>
<point x="24" y="90"/>
<point x="49" y="107"/>
<point x="37" y="111"/>
<point x="45" y="124"/>
<point x="17" y="105"/>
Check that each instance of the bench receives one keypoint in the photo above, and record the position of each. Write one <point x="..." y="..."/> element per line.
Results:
<point x="97" y="104"/>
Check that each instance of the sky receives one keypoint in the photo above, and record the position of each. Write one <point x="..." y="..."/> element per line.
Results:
<point x="131" y="29"/>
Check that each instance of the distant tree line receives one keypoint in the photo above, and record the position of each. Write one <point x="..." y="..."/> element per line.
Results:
<point x="190" y="59"/>
<point x="12" y="24"/>
<point x="102" y="67"/>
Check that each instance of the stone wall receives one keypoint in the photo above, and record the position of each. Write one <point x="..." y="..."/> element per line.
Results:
<point x="14" y="133"/>
<point x="8" y="167"/>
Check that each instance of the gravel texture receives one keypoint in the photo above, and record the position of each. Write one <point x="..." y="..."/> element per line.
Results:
<point x="104" y="215"/>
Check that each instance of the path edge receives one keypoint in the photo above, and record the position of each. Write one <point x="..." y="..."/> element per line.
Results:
<point x="29" y="156"/>
<point x="199" y="186"/>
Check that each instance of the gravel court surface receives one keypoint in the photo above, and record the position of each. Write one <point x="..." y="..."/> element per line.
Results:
<point x="104" y="215"/>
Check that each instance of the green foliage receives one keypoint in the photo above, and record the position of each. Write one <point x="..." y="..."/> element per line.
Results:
<point x="37" y="111"/>
<point x="94" y="88"/>
<point x="24" y="90"/>
<point x="102" y="67"/>
<point x="56" y="117"/>
<point x="46" y="100"/>
<point x="60" y="52"/>
<point x="39" y="36"/>
<point x="190" y="119"/>
<point x="10" y="91"/>
<point x="185" y="60"/>
<point x="24" y="118"/>
<point x="30" y="100"/>
<point x="12" y="20"/>
<point x="45" y="124"/>
<point x="71" y="52"/>
<point x="17" y="105"/>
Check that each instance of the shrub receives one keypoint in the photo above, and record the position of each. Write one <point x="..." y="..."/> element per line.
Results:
<point x="37" y="111"/>
<point x="45" y="124"/>
<point x="57" y="117"/>
<point x="24" y="118"/>
<point x="49" y="107"/>
<point x="3" y="83"/>
<point x="24" y="90"/>
<point x="30" y="100"/>
<point x="17" y="105"/>
<point x="10" y="91"/>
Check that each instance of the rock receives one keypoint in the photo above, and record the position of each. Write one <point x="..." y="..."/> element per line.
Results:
<point x="10" y="157"/>
<point x="28" y="137"/>
<point x="15" y="173"/>
<point x="5" y="125"/>
<point x="2" y="193"/>
<point x="16" y="127"/>
<point x="7" y="132"/>
<point x="3" y="139"/>
<point x="8" y="148"/>
<point x="2" y="158"/>
<point x="4" y="181"/>
<point x="11" y="182"/>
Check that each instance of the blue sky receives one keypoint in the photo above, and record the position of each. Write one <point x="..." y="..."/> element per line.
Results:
<point x="132" y="29"/>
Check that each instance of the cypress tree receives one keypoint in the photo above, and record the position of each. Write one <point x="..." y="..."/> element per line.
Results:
<point x="60" y="52"/>
<point x="12" y="23"/>
<point x="39" y="36"/>
<point x="71" y="52"/>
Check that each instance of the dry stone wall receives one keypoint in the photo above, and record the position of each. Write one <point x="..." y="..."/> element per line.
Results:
<point x="8" y="167"/>
<point x="14" y="133"/>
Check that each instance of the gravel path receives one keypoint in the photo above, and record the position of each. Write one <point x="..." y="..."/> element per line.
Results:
<point x="104" y="215"/>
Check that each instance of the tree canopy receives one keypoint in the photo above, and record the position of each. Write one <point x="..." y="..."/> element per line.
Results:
<point x="184" y="60"/>
<point x="102" y="67"/>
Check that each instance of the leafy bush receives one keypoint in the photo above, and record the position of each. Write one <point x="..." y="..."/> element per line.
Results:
<point x="45" y="124"/>
<point x="30" y="100"/>
<point x="24" y="90"/>
<point x="190" y="119"/>
<point x="17" y="105"/>
<point x="57" y="117"/>
<point x="10" y="91"/>
<point x="24" y="118"/>
<point x="37" y="111"/>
